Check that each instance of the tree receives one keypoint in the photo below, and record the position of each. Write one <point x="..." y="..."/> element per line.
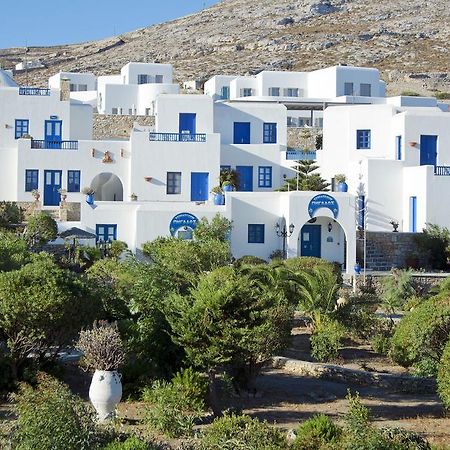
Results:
<point x="305" y="180"/>
<point x="13" y="251"/>
<point x="219" y="228"/>
<point x="435" y="241"/>
<point x="10" y="214"/>
<point x="40" y="229"/>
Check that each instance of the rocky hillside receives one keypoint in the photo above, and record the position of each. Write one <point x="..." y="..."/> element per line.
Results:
<point x="406" y="39"/>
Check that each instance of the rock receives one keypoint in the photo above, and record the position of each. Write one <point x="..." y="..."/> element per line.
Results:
<point x="286" y="21"/>
<point x="324" y="7"/>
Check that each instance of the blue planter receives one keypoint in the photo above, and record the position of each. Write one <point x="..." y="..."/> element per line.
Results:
<point x="342" y="187"/>
<point x="219" y="199"/>
<point x="357" y="268"/>
<point x="90" y="199"/>
<point x="227" y="188"/>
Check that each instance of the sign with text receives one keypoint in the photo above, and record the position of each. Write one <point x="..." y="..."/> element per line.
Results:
<point x="183" y="222"/>
<point x="323" y="201"/>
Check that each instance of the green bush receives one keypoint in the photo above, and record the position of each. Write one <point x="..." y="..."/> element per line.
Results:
<point x="443" y="376"/>
<point x="249" y="260"/>
<point x="10" y="214"/>
<point x="326" y="339"/>
<point x="435" y="242"/>
<point x="131" y="443"/>
<point x="40" y="229"/>
<point x="13" y="252"/>
<point x="407" y="440"/>
<point x="408" y="93"/>
<point x="381" y="344"/>
<point x="232" y="432"/>
<point x="316" y="433"/>
<point x="50" y="417"/>
<point x="442" y="95"/>
<point x="398" y="287"/>
<point x="173" y="408"/>
<point x="117" y="248"/>
<point x="308" y="263"/>
<point x="420" y="337"/>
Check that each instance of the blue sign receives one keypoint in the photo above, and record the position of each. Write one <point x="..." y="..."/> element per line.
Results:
<point x="323" y="201"/>
<point x="183" y="221"/>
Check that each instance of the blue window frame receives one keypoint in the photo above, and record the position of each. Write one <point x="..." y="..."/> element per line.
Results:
<point x="413" y="214"/>
<point x="398" y="142"/>
<point x="73" y="180"/>
<point x="173" y="183"/>
<point x="270" y="133"/>
<point x="31" y="179"/>
<point x="225" y="93"/>
<point x="362" y="139"/>
<point x="106" y="232"/>
<point x="255" y="233"/>
<point x="265" y="176"/>
<point x="21" y="127"/>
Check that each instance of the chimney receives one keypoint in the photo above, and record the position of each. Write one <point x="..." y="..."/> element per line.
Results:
<point x="64" y="86"/>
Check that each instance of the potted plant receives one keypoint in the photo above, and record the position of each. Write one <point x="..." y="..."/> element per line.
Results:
<point x="133" y="197"/>
<point x="218" y="196"/>
<point x="89" y="193"/>
<point x="230" y="178"/>
<point x="357" y="268"/>
<point x="63" y="193"/>
<point x="394" y="224"/>
<point x="227" y="186"/>
<point x="103" y="351"/>
<point x="36" y="194"/>
<point x="339" y="179"/>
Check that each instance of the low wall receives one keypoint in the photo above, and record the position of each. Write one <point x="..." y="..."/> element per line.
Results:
<point x="116" y="126"/>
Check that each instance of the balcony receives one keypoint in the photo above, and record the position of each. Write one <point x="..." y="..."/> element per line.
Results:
<point x="177" y="137"/>
<point x="300" y="155"/>
<point x="442" y="170"/>
<point x="34" y="91"/>
<point x="54" y="145"/>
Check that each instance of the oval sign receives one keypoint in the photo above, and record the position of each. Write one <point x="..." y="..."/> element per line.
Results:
<point x="182" y="220"/>
<point x="323" y="201"/>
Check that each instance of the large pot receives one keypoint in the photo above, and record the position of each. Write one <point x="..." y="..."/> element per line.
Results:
<point x="219" y="199"/>
<point x="342" y="186"/>
<point x="90" y="199"/>
<point x="227" y="187"/>
<point x="105" y="392"/>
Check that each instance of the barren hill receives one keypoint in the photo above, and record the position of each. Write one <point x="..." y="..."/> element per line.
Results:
<point x="406" y="39"/>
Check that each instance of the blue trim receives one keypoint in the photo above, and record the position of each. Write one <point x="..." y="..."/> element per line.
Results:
<point x="265" y="176"/>
<point x="361" y="213"/>
<point x="199" y="186"/>
<point x="270" y="133"/>
<point x="256" y="233"/>
<point x="363" y="139"/>
<point x="21" y="127"/>
<point x="241" y="133"/>
<point x="31" y="179"/>
<point x="428" y="150"/>
<point x="413" y="214"/>
<point x="106" y="232"/>
<point x="52" y="184"/>
<point x="245" y="176"/>
<point x="187" y="124"/>
<point x="311" y="240"/>
<point x="398" y="143"/>
<point x="73" y="180"/>
<point x="225" y="93"/>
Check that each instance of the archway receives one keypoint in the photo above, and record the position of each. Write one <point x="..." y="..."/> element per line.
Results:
<point x="107" y="187"/>
<point x="323" y="237"/>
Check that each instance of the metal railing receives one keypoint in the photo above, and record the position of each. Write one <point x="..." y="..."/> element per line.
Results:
<point x="442" y="170"/>
<point x="54" y="145"/>
<point x="300" y="155"/>
<point x="177" y="137"/>
<point x="34" y="91"/>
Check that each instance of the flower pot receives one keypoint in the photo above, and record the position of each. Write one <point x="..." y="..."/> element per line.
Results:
<point x="342" y="187"/>
<point x="105" y="393"/>
<point x="90" y="199"/>
<point x="219" y="199"/>
<point x="357" y="268"/>
<point x="227" y="187"/>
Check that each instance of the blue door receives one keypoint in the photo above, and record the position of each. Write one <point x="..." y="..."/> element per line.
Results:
<point x="199" y="186"/>
<point x="53" y="133"/>
<point x="241" y="133"/>
<point x="428" y="150"/>
<point x="52" y="183"/>
<point x="310" y="240"/>
<point x="187" y="124"/>
<point x="245" y="174"/>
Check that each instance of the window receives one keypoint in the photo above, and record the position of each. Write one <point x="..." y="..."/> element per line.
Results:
<point x="225" y="93"/>
<point x="365" y="90"/>
<point x="106" y="232"/>
<point x="73" y="180"/>
<point x="274" y="91"/>
<point x="22" y="126"/>
<point x="31" y="179"/>
<point x="173" y="183"/>
<point x="270" y="133"/>
<point x="159" y="79"/>
<point x="255" y="233"/>
<point x="73" y="87"/>
<point x="348" y="89"/>
<point x="246" y="92"/>
<point x="265" y="176"/>
<point x="319" y="122"/>
<point x="114" y="111"/>
<point x="241" y="133"/>
<point x="398" y="141"/>
<point x="291" y="92"/>
<point x="130" y="111"/>
<point x="362" y="139"/>
<point x="143" y="79"/>
<point x="292" y="122"/>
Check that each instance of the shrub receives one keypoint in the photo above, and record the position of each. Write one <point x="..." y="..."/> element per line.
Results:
<point x="398" y="287"/>
<point x="408" y="440"/>
<point x="40" y="229"/>
<point x="408" y="93"/>
<point x="325" y="339"/>
<point x="249" y="260"/>
<point x="13" y="252"/>
<point x="131" y="443"/>
<point x="443" y="377"/>
<point x="49" y="416"/>
<point x="10" y="214"/>
<point x="276" y="255"/>
<point x="117" y="248"/>
<point x="316" y="432"/>
<point x="442" y="95"/>
<point x="308" y="263"/>
<point x="435" y="242"/>
<point x="233" y="432"/>
<point x="173" y="408"/>
<point x="218" y="229"/>
<point x="381" y="344"/>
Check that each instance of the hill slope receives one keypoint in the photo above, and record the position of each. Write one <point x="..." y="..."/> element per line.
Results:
<point x="238" y="36"/>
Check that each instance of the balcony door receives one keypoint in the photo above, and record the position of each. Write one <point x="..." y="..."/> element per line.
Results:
<point x="428" y="150"/>
<point x="52" y="183"/>
<point x="53" y="133"/>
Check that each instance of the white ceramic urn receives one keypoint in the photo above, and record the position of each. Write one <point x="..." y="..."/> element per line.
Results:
<point x="105" y="393"/>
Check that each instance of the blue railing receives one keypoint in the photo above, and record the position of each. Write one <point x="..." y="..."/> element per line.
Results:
<point x="442" y="170"/>
<point x="177" y="137"/>
<point x="33" y="91"/>
<point x="300" y="155"/>
<point x="54" y="145"/>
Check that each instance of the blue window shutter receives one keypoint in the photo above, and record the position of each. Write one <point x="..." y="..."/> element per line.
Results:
<point x="270" y="133"/>
<point x="265" y="176"/>
<point x="256" y="233"/>
<point x="73" y="180"/>
<point x="363" y="139"/>
<point x="21" y="127"/>
<point x="241" y="133"/>
<point x="31" y="179"/>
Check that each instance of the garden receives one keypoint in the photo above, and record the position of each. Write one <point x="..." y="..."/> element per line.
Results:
<point x="192" y="349"/>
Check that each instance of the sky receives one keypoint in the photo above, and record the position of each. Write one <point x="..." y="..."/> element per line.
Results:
<point x="49" y="22"/>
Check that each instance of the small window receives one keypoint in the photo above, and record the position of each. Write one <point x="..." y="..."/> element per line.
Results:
<point x="265" y="176"/>
<point x="319" y="122"/>
<point x="270" y="133"/>
<point x="21" y="127"/>
<point x="130" y="111"/>
<point x="114" y="111"/>
<point x="73" y="87"/>
<point x="348" y="89"/>
<point x="292" y="122"/>
<point x="106" y="232"/>
<point x="159" y="79"/>
<point x="73" y="180"/>
<point x="31" y="179"/>
<point x="256" y="233"/>
<point x="225" y="93"/>
<point x="365" y="90"/>
<point x="398" y="141"/>
<point x="274" y="92"/>
<point x="246" y="92"/>
<point x="363" y="139"/>
<point x="173" y="183"/>
<point x="291" y="92"/>
<point x="143" y="79"/>
<point x="82" y="87"/>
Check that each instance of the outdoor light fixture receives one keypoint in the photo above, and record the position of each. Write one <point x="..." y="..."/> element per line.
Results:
<point x="330" y="227"/>
<point x="284" y="233"/>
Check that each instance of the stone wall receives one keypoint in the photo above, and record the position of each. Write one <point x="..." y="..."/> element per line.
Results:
<point x="68" y="212"/>
<point x="385" y="250"/>
<point x="115" y="126"/>
<point x="303" y="138"/>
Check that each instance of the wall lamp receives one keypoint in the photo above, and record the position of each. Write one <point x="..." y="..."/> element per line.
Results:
<point x="330" y="227"/>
